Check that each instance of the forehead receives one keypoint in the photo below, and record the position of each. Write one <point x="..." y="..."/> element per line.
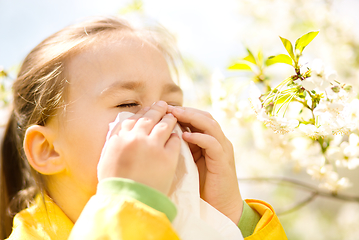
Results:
<point x="120" y="49"/>
<point x="124" y="57"/>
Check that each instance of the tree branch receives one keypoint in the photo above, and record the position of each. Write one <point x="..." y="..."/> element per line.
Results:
<point x="315" y="192"/>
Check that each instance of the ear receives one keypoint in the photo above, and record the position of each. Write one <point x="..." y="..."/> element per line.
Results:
<point x="40" y="152"/>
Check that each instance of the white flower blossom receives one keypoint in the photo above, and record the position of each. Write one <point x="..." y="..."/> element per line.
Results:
<point x="278" y="124"/>
<point x="334" y="116"/>
<point x="321" y="77"/>
<point x="341" y="126"/>
<point x="342" y="96"/>
<point x="333" y="153"/>
<point x="314" y="132"/>
<point x="320" y="70"/>
<point x="334" y="183"/>
<point x="328" y="107"/>
<point x="320" y="172"/>
<point x="336" y="140"/>
<point x="308" y="84"/>
<point x="263" y="116"/>
<point x="275" y="147"/>
<point x="329" y="179"/>
<point x="347" y="154"/>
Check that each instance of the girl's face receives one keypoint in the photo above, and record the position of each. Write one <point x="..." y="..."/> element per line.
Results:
<point x="105" y="79"/>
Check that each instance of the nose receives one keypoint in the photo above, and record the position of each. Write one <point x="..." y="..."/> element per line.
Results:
<point x="152" y="101"/>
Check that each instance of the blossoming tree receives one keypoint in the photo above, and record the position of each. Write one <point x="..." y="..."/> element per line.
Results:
<point x="311" y="107"/>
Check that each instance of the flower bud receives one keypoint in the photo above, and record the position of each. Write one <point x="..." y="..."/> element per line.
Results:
<point x="336" y="89"/>
<point x="348" y="88"/>
<point x="269" y="107"/>
<point x="307" y="74"/>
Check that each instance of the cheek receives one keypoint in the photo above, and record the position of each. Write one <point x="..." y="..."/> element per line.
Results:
<point x="84" y="143"/>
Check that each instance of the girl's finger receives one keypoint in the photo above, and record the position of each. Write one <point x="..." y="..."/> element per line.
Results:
<point x="162" y="130"/>
<point x="199" y="120"/>
<point x="130" y="122"/>
<point x="204" y="141"/>
<point x="189" y="126"/>
<point x="207" y="114"/>
<point x="173" y="144"/>
<point x="146" y="123"/>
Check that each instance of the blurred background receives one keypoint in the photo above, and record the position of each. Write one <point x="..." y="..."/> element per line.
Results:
<point x="211" y="35"/>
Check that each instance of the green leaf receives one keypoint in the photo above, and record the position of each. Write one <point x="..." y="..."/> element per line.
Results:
<point x="260" y="58"/>
<point x="250" y="57"/>
<point x="288" y="46"/>
<point x="304" y="40"/>
<point x="240" y="66"/>
<point x="281" y="58"/>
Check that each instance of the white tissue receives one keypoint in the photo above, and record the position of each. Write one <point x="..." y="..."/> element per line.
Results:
<point x="196" y="219"/>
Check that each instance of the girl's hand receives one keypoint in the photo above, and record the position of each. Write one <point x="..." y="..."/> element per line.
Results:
<point x="214" y="156"/>
<point x="143" y="148"/>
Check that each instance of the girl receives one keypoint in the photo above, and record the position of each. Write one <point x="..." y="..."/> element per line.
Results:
<point x="69" y="88"/>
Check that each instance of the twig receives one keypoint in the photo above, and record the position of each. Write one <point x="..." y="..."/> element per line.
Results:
<point x="299" y="205"/>
<point x="315" y="192"/>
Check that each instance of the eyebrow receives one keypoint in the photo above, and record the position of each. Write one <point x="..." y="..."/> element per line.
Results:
<point x="137" y="86"/>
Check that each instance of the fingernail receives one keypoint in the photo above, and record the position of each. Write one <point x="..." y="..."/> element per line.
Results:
<point x="186" y="134"/>
<point x="146" y="109"/>
<point x="170" y="108"/>
<point x="161" y="103"/>
<point x="178" y="109"/>
<point x="170" y="115"/>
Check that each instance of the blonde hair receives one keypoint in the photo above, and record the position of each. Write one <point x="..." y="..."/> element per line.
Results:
<point x="39" y="94"/>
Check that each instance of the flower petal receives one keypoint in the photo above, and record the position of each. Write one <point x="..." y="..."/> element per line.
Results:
<point x="308" y="85"/>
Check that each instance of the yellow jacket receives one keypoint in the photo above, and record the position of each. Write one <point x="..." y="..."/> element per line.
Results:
<point x="124" y="210"/>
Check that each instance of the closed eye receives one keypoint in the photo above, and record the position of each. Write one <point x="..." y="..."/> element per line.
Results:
<point x="127" y="105"/>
